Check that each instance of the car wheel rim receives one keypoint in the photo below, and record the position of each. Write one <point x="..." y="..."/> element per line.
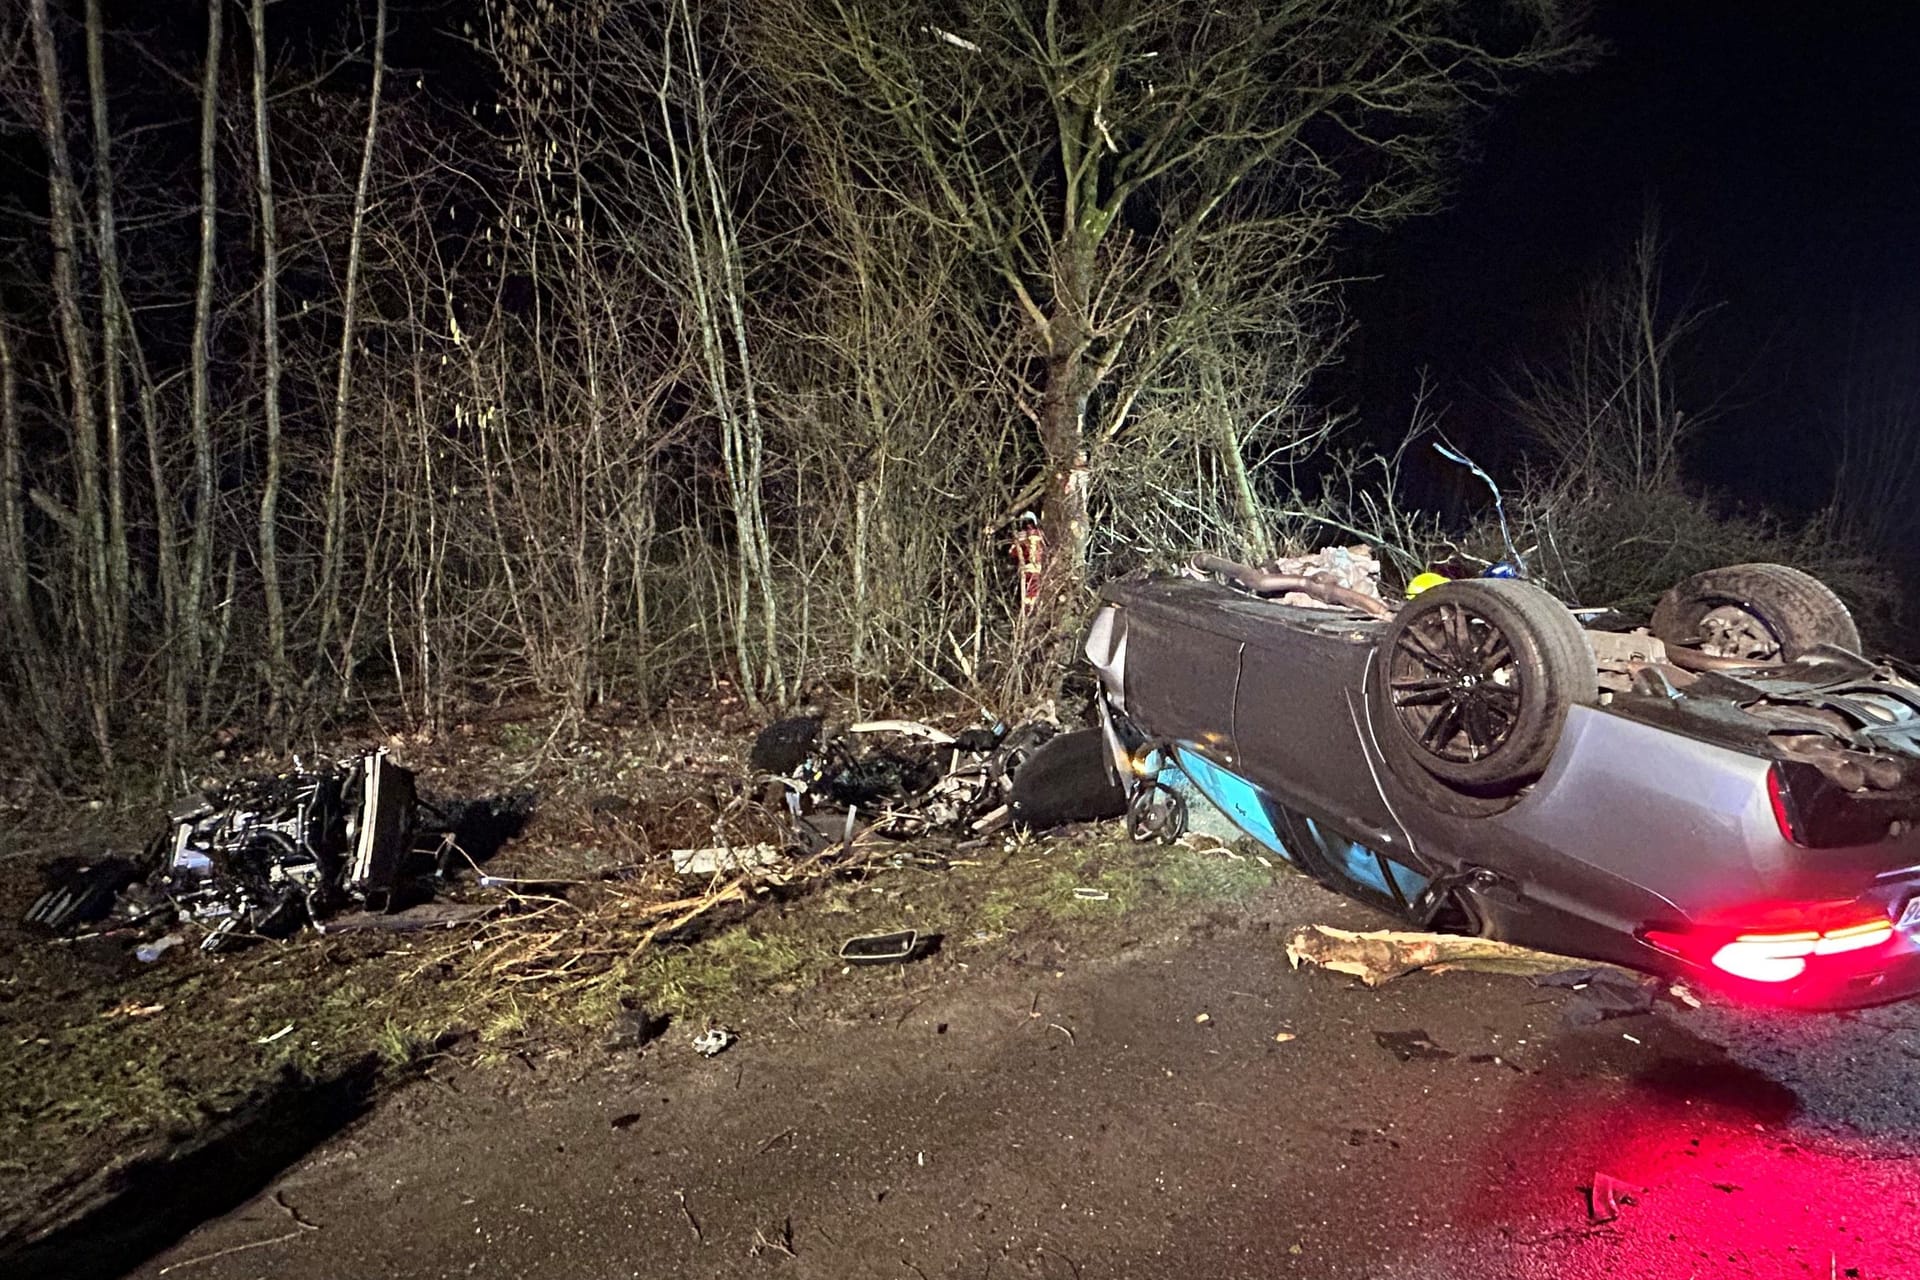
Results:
<point x="1731" y="631"/>
<point x="1455" y="684"/>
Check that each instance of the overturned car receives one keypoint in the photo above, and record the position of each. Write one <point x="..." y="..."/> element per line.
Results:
<point x="1727" y="795"/>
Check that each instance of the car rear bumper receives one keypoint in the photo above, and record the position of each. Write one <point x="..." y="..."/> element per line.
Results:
<point x="1881" y="975"/>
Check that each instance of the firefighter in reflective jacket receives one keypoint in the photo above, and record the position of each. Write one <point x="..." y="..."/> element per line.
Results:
<point x="1030" y="552"/>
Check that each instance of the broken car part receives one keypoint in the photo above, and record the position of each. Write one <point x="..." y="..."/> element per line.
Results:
<point x="713" y="1041"/>
<point x="881" y="948"/>
<point x="1320" y="586"/>
<point x="895" y="778"/>
<point x="262" y="856"/>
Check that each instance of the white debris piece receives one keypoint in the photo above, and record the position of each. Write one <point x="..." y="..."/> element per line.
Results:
<point x="713" y="1040"/>
<point x="719" y="859"/>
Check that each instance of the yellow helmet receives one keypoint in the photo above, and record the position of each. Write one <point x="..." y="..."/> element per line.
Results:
<point x="1423" y="581"/>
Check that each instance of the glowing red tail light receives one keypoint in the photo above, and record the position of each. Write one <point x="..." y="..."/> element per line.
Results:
<point x="1778" y="954"/>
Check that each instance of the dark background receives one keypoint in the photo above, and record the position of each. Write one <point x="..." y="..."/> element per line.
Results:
<point x="1778" y="142"/>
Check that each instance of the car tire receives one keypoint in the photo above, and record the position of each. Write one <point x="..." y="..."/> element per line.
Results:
<point x="1069" y="778"/>
<point x="783" y="746"/>
<point x="1471" y="683"/>
<point x="1762" y="612"/>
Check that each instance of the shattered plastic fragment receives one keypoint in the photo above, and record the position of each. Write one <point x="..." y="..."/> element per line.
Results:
<point x="720" y="859"/>
<point x="712" y="1041"/>
<point x="881" y="948"/>
<point x="1605" y="1197"/>
<point x="148" y="952"/>
<point x="1410" y="1045"/>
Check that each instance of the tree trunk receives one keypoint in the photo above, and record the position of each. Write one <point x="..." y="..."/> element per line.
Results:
<point x="23" y="632"/>
<point x="190" y="622"/>
<point x="25" y="648"/>
<point x="89" y="525"/>
<point x="1063" y="505"/>
<point x="1246" y="503"/>
<point x="330" y="553"/>
<point x="113" y="327"/>
<point x="707" y="234"/>
<point x="270" y="383"/>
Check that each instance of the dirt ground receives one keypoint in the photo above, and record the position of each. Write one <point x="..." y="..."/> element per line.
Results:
<point x="1106" y="1068"/>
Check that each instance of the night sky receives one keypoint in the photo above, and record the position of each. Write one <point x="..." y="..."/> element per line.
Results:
<point x="1781" y="143"/>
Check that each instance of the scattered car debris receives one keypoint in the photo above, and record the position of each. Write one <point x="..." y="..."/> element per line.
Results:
<point x="895" y="778"/>
<point x="1409" y="1046"/>
<point x="635" y="1026"/>
<point x="1086" y="894"/>
<point x="1156" y="812"/>
<point x="713" y="1041"/>
<point x="1603" y="993"/>
<point x="1381" y="955"/>
<point x="148" y="952"/>
<point x="281" y="1034"/>
<point x="1604" y="1198"/>
<point x="720" y="859"/>
<point x="80" y="892"/>
<point x="882" y="948"/>
<point x="260" y="857"/>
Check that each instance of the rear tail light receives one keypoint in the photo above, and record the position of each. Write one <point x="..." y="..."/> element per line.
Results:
<point x="1770" y="952"/>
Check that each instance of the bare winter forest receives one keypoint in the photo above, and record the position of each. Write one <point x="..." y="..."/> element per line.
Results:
<point x="667" y="341"/>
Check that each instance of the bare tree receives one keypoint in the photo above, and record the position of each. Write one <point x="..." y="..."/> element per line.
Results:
<point x="1874" y="433"/>
<point x="188" y="628"/>
<point x="270" y="373"/>
<point x="1608" y="409"/>
<point x="332" y="533"/>
<point x="731" y="344"/>
<point x="1093" y="154"/>
<point x="86" y="519"/>
<point x="113" y="330"/>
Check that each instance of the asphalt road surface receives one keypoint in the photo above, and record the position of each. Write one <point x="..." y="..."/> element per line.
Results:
<point x="1142" y="1114"/>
